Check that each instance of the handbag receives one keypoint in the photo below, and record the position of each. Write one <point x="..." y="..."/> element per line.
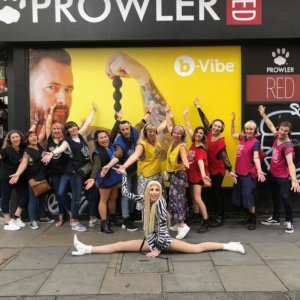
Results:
<point x="39" y="187"/>
<point x="85" y="170"/>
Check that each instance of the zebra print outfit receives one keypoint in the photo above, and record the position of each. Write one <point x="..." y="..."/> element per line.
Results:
<point x="160" y="238"/>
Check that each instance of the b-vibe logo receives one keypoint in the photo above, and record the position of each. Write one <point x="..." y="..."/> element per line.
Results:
<point x="244" y="12"/>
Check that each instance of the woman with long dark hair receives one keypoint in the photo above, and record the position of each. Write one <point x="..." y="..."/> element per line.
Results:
<point x="157" y="237"/>
<point x="107" y="181"/>
<point x="198" y="170"/>
<point x="218" y="161"/>
<point x="11" y="155"/>
<point x="35" y="170"/>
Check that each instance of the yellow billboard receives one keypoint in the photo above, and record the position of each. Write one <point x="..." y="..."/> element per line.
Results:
<point x="177" y="75"/>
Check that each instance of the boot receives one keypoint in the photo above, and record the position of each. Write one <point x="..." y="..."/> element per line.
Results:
<point x="105" y="227"/>
<point x="203" y="227"/>
<point x="252" y="222"/>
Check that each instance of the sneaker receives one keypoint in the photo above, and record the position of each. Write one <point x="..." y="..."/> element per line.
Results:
<point x="174" y="228"/>
<point x="182" y="232"/>
<point x="11" y="226"/>
<point x="235" y="247"/>
<point x="46" y="220"/>
<point x="81" y="248"/>
<point x="129" y="225"/>
<point x="34" y="225"/>
<point x="78" y="227"/>
<point x="19" y="222"/>
<point x="270" y="222"/>
<point x="93" y="223"/>
<point x="289" y="227"/>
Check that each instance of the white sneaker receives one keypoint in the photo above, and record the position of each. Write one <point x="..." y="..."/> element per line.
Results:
<point x="34" y="225"/>
<point x="12" y="226"/>
<point x="182" y="232"/>
<point x="289" y="227"/>
<point x="81" y="248"/>
<point x="174" y="228"/>
<point x="19" y="222"/>
<point x="235" y="247"/>
<point x="78" y="227"/>
<point x="93" y="223"/>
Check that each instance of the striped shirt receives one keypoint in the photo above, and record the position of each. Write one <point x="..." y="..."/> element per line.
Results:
<point x="160" y="238"/>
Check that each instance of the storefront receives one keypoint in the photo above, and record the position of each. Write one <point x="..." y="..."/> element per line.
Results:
<point x="232" y="54"/>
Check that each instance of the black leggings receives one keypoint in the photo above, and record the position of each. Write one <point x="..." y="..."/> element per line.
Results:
<point x="21" y="194"/>
<point x="216" y="195"/>
<point x="280" y="189"/>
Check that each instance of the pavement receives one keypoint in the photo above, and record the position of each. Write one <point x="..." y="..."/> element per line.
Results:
<point x="38" y="265"/>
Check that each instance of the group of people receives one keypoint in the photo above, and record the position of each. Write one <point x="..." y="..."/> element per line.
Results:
<point x="140" y="154"/>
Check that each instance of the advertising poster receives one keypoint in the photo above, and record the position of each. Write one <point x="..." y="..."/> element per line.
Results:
<point x="73" y="79"/>
<point x="272" y="79"/>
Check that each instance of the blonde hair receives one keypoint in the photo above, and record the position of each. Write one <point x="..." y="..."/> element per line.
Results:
<point x="151" y="211"/>
<point x="250" y="123"/>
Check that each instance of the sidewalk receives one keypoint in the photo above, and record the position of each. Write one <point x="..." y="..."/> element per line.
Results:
<point x="38" y="264"/>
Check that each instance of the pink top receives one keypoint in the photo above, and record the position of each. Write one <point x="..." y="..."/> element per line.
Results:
<point x="279" y="167"/>
<point x="244" y="158"/>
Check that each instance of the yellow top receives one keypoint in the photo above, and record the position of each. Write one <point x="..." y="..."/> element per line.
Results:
<point x="173" y="163"/>
<point x="150" y="163"/>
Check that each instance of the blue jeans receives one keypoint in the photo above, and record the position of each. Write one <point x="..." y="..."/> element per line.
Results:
<point x="127" y="204"/>
<point x="35" y="206"/>
<point x="76" y="183"/>
<point x="61" y="199"/>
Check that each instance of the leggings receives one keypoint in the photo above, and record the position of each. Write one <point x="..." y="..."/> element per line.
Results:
<point x="21" y="195"/>
<point x="216" y="195"/>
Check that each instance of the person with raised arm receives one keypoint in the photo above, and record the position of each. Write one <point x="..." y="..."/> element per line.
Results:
<point x="247" y="170"/>
<point x="177" y="164"/>
<point x="218" y="162"/>
<point x="198" y="170"/>
<point x="79" y="165"/>
<point x="282" y="172"/>
<point x="156" y="235"/>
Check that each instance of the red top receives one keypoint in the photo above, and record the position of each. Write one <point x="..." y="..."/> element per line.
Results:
<point x="195" y="154"/>
<point x="279" y="167"/>
<point x="215" y="165"/>
<point x="244" y="158"/>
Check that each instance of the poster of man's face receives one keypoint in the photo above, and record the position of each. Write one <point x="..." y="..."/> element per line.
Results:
<point x="51" y="84"/>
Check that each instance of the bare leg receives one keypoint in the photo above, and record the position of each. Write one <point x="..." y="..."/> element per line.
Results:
<point x="124" y="246"/>
<point x="18" y="212"/>
<point x="198" y="199"/>
<point x="104" y="196"/>
<point x="184" y="247"/>
<point x="112" y="202"/>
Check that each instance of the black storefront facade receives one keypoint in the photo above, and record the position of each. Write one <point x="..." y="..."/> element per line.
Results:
<point x="268" y="32"/>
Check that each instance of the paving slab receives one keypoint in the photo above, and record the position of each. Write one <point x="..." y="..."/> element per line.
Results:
<point x="249" y="278"/>
<point x="7" y="253"/>
<point x="93" y="258"/>
<point x="188" y="257"/>
<point x="112" y="297"/>
<point x="281" y="250"/>
<point x="142" y="283"/>
<point x="192" y="277"/>
<point x="22" y="282"/>
<point x="226" y="258"/>
<point x="294" y="295"/>
<point x="288" y="272"/>
<point x="227" y="296"/>
<point x="74" y="279"/>
<point x="40" y="298"/>
<point x="138" y="263"/>
<point x="37" y="258"/>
